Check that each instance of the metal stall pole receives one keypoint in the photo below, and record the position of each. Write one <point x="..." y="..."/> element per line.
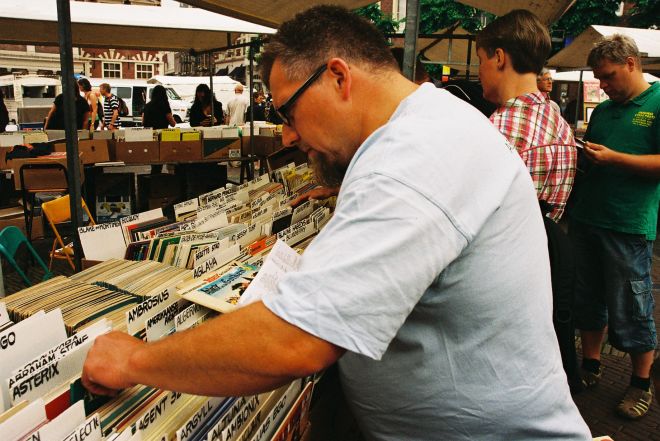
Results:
<point x="69" y="91"/>
<point x="469" y="58"/>
<point x="577" y="101"/>
<point x="211" y="69"/>
<point x="251" y="82"/>
<point x="410" y="39"/>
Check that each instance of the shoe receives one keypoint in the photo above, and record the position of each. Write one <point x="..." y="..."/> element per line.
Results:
<point x="590" y="379"/>
<point x="635" y="403"/>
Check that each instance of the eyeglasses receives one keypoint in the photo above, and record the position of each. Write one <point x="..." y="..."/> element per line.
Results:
<point x="284" y="109"/>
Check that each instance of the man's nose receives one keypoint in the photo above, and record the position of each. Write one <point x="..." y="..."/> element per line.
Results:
<point x="290" y="136"/>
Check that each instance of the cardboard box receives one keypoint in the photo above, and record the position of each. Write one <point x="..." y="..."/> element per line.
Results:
<point x="219" y="148"/>
<point x="3" y="161"/>
<point x="43" y="179"/>
<point x="93" y="150"/>
<point x="159" y="186"/>
<point x="88" y="263"/>
<point x="263" y="145"/>
<point x="14" y="217"/>
<point x="179" y="151"/>
<point x="163" y="202"/>
<point x="139" y="152"/>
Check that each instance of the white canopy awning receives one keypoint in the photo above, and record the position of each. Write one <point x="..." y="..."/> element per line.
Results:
<point x="574" y="56"/>
<point x="587" y="75"/>
<point x="121" y="26"/>
<point x="28" y="80"/>
<point x="547" y="10"/>
<point x="170" y="80"/>
<point x="268" y="12"/>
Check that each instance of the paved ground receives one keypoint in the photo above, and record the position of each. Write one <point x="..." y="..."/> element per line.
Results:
<point x="596" y="406"/>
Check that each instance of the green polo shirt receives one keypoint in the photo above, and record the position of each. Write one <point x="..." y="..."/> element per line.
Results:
<point x="613" y="198"/>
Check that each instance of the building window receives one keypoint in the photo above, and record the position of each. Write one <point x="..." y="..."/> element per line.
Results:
<point x="111" y="70"/>
<point x="144" y="71"/>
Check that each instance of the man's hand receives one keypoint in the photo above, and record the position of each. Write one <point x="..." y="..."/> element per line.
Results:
<point x="599" y="154"/>
<point x="106" y="369"/>
<point x="318" y="193"/>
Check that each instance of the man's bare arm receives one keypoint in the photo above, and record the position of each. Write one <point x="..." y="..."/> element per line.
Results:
<point x="643" y="165"/>
<point x="248" y="351"/>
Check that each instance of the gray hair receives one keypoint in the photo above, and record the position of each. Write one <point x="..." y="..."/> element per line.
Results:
<point x="544" y="71"/>
<point x="615" y="49"/>
<point x="312" y="37"/>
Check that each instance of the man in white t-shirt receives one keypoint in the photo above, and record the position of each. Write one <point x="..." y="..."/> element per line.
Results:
<point x="430" y="285"/>
<point x="235" y="111"/>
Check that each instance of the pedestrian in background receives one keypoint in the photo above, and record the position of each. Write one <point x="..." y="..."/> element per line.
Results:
<point x="200" y="112"/>
<point x="157" y="113"/>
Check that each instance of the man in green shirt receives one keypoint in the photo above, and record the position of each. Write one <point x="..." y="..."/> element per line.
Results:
<point x="614" y="218"/>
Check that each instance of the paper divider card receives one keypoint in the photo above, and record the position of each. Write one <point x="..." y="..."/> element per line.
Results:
<point x="103" y="241"/>
<point x="25" y="340"/>
<point x="136" y="318"/>
<point x="185" y="207"/>
<point x="216" y="260"/>
<point x="90" y="430"/>
<point x="163" y="322"/>
<point x="58" y="352"/>
<point x="24" y="421"/>
<point x="190" y="317"/>
<point x="4" y="315"/>
<point x="63" y="424"/>
<point x="276" y="415"/>
<point x="51" y="376"/>
<point x="197" y="420"/>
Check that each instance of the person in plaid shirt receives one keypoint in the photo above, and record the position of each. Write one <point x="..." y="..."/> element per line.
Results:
<point x="512" y="51"/>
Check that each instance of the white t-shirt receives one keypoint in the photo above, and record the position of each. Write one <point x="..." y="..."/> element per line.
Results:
<point x="236" y="110"/>
<point x="434" y="275"/>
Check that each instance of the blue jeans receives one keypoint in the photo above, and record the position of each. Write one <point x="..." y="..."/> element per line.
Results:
<point x="613" y="286"/>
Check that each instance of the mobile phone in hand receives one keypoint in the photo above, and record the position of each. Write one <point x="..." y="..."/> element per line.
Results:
<point x="579" y="143"/>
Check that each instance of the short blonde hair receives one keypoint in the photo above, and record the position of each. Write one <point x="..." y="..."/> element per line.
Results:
<point x="615" y="49"/>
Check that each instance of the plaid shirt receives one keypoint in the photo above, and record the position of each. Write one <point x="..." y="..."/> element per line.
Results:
<point x="533" y="125"/>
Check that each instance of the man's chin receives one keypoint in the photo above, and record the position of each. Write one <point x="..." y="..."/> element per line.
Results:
<point x="327" y="173"/>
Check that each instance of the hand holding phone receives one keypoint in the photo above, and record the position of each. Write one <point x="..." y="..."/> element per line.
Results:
<point x="580" y="143"/>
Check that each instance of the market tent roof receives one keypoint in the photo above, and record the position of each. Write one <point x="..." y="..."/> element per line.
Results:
<point x="450" y="51"/>
<point x="267" y="12"/>
<point x="587" y="75"/>
<point x="174" y="80"/>
<point x="547" y="10"/>
<point x="121" y="26"/>
<point x="574" y="56"/>
<point x="31" y="80"/>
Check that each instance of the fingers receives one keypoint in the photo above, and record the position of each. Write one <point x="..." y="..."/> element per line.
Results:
<point x="93" y="387"/>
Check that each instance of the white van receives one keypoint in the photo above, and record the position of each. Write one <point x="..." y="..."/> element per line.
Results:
<point x="136" y="93"/>
<point x="29" y="97"/>
<point x="223" y="87"/>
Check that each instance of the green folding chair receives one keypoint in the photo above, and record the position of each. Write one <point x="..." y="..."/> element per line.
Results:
<point x="11" y="239"/>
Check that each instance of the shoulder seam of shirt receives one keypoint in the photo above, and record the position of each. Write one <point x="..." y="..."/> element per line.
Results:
<point x="444" y="210"/>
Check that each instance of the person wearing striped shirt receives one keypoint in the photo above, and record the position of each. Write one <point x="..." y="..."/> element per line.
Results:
<point x="111" y="119"/>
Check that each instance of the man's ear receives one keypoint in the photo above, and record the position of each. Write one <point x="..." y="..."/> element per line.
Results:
<point x="341" y="76"/>
<point x="630" y="64"/>
<point x="501" y="58"/>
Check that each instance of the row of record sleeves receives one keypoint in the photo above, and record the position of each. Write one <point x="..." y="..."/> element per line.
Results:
<point x="46" y="330"/>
